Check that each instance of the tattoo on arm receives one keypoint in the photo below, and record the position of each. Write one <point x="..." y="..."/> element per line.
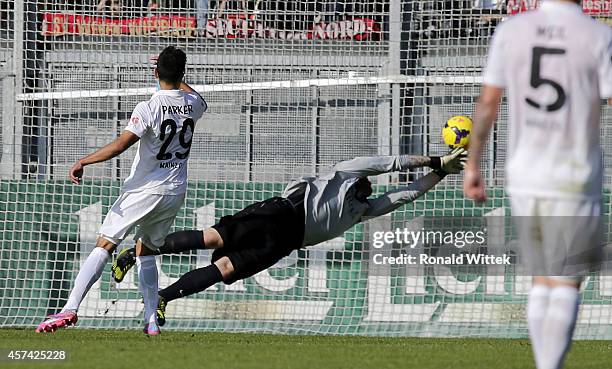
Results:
<point x="417" y="161"/>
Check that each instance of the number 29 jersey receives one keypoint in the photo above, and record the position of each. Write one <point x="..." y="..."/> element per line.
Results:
<point x="165" y="125"/>
<point x="556" y="64"/>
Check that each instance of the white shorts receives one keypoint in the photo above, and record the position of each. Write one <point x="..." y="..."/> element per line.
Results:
<point x="560" y="238"/>
<point x="153" y="214"/>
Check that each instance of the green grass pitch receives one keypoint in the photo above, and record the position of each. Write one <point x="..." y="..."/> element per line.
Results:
<point x="180" y="350"/>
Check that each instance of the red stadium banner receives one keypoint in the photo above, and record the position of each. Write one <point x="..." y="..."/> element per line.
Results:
<point x="58" y="24"/>
<point x="237" y="27"/>
<point x="592" y="7"/>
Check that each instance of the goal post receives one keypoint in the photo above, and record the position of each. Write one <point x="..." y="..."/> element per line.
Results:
<point x="293" y="87"/>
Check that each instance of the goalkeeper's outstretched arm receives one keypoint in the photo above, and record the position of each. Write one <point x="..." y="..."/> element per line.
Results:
<point x="452" y="163"/>
<point x="393" y="199"/>
<point x="365" y="166"/>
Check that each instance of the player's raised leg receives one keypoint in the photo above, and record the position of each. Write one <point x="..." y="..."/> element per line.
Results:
<point x="90" y="272"/>
<point x="174" y="243"/>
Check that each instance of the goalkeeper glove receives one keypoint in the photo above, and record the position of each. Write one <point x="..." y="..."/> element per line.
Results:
<point x="451" y="163"/>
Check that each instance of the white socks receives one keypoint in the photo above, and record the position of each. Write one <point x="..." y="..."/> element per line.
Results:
<point x="559" y="325"/>
<point x="90" y="272"/>
<point x="537" y="306"/>
<point x="148" y="285"/>
<point x="551" y="314"/>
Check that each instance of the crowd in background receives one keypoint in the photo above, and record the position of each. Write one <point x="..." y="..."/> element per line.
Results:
<point x="276" y="14"/>
<point x="292" y="14"/>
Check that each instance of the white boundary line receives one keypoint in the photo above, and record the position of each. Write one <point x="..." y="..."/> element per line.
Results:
<point x="349" y="81"/>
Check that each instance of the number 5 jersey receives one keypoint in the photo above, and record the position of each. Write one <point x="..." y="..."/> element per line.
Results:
<point x="556" y="64"/>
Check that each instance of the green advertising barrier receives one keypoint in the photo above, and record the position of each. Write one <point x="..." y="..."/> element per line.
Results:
<point x="48" y="228"/>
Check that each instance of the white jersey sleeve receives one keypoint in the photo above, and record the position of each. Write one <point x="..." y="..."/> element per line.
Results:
<point x="494" y="74"/>
<point x="199" y="105"/>
<point x="605" y="67"/>
<point x="140" y="121"/>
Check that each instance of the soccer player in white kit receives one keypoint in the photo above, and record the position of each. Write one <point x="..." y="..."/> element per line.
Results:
<point x="152" y="194"/>
<point x="556" y="65"/>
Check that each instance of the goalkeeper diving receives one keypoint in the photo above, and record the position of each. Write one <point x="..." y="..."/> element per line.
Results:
<point x="311" y="210"/>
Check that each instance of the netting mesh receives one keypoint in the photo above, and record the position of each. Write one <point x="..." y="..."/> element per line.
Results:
<point x="381" y="76"/>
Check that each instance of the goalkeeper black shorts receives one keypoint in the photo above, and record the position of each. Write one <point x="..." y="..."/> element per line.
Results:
<point x="261" y="234"/>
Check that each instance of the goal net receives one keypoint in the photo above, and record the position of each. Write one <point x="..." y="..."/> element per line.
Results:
<point x="293" y="87"/>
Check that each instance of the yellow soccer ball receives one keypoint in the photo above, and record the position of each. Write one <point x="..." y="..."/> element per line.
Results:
<point x="456" y="131"/>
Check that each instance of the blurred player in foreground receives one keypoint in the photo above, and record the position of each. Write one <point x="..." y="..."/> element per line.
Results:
<point x="152" y="194"/>
<point x="311" y="210"/>
<point x="556" y="64"/>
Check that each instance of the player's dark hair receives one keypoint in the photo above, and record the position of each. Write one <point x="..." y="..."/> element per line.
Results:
<point x="171" y="64"/>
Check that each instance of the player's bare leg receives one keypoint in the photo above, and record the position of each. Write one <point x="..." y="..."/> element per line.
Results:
<point x="90" y="272"/>
<point x="225" y="267"/>
<point x="551" y="313"/>
<point x="148" y="284"/>
<point x="192" y="282"/>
